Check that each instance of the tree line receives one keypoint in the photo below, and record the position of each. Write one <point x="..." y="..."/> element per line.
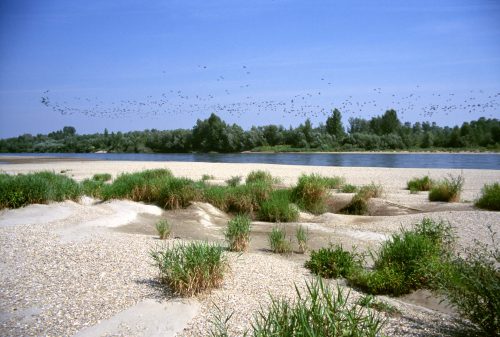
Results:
<point x="384" y="132"/>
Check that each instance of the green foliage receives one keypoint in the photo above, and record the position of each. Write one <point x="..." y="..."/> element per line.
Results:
<point x="233" y="181"/>
<point x="261" y="176"/>
<point x="102" y="177"/>
<point x="238" y="233"/>
<point x="348" y="188"/>
<point x="490" y="197"/>
<point x="206" y="177"/>
<point x="333" y="262"/>
<point x="407" y="261"/>
<point x="177" y="193"/>
<point x="334" y="125"/>
<point x="278" y="207"/>
<point x="92" y="188"/>
<point x="448" y="189"/>
<point x="420" y="184"/>
<point x="278" y="241"/>
<point x="369" y="301"/>
<point x="191" y="268"/>
<point x="472" y="285"/>
<point x="311" y="192"/>
<point x="163" y="228"/>
<point x="333" y="182"/>
<point x="219" y="323"/>
<point x="36" y="188"/>
<point x="318" y="312"/>
<point x="357" y="206"/>
<point x="372" y="190"/>
<point x="302" y="236"/>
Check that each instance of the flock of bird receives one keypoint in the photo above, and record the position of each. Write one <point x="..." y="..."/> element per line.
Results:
<point x="236" y="98"/>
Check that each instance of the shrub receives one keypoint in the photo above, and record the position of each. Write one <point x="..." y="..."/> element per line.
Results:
<point x="420" y="184"/>
<point x="302" y="237"/>
<point x="357" y="206"/>
<point x="278" y="208"/>
<point x="370" y="191"/>
<point x="40" y="187"/>
<point x="277" y="240"/>
<point x="233" y="181"/>
<point x="447" y="190"/>
<point x="191" y="268"/>
<point x="238" y="233"/>
<point x="472" y="285"/>
<point x="333" y="262"/>
<point x="310" y="193"/>
<point x="102" y="177"/>
<point x="490" y="197"/>
<point x="407" y="261"/>
<point x="348" y="188"/>
<point x="319" y="311"/>
<point x="163" y="228"/>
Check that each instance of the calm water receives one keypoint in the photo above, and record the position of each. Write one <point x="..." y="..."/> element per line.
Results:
<point x="431" y="160"/>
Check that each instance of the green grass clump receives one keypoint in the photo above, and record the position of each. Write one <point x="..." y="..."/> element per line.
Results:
<point x="233" y="181"/>
<point x="490" y="197"/>
<point x="164" y="229"/>
<point x="36" y="188"/>
<point x="420" y="184"/>
<point x="320" y="311"/>
<point x="176" y="193"/>
<point x="369" y="301"/>
<point x="311" y="192"/>
<point x="278" y="241"/>
<point x="302" y="236"/>
<point x="370" y="191"/>
<point x="348" y="188"/>
<point x="471" y="283"/>
<point x="93" y="188"/>
<point x="359" y="202"/>
<point x="238" y="233"/>
<point x="278" y="207"/>
<point x="206" y="177"/>
<point x="102" y="177"/>
<point x="191" y="268"/>
<point x="263" y="176"/>
<point x="333" y="262"/>
<point x="448" y="189"/>
<point x="333" y="182"/>
<point x="407" y="261"/>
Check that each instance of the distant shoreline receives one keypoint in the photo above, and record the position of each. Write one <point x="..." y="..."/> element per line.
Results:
<point x="375" y="152"/>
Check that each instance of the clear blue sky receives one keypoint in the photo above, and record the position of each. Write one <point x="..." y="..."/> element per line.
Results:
<point x="135" y="64"/>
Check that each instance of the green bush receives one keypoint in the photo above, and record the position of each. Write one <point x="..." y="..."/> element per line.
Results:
<point x="420" y="184"/>
<point x="302" y="236"/>
<point x="93" y="188"/>
<point x="471" y="284"/>
<point x="357" y="206"/>
<point x="163" y="228"/>
<point x="260" y="176"/>
<point x="41" y="187"/>
<point x="310" y="193"/>
<point x="233" y="181"/>
<point x="238" y="233"/>
<point x="191" y="268"/>
<point x="490" y="197"/>
<point x="333" y="262"/>
<point x="319" y="311"/>
<point x="278" y="241"/>
<point x="348" y="188"/>
<point x="278" y="208"/>
<point x="102" y="177"/>
<point x="407" y="261"/>
<point x="448" y="189"/>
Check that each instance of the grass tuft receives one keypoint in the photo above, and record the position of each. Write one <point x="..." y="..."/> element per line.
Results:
<point x="333" y="262"/>
<point x="261" y="176"/>
<point x="302" y="236"/>
<point x="164" y="229"/>
<point x="191" y="268"/>
<point x="278" y="207"/>
<point x="311" y="192"/>
<point x="420" y="184"/>
<point x="348" y="188"/>
<point x="233" y="181"/>
<point x="490" y="197"/>
<point x="448" y="189"/>
<point x="238" y="233"/>
<point x="278" y="241"/>
<point x="102" y="177"/>
<point x="369" y="301"/>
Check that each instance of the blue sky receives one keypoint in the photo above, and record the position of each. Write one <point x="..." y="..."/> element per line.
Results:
<point x="134" y="65"/>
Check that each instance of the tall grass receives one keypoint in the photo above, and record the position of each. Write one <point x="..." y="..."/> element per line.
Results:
<point x="420" y="184"/>
<point x="333" y="262"/>
<point x="261" y="176"/>
<point x="233" y="181"/>
<point x="191" y="268"/>
<point x="163" y="228"/>
<point x="278" y="240"/>
<point x="41" y="187"/>
<point x="490" y="197"/>
<point x="311" y="192"/>
<point x="320" y="311"/>
<point x="302" y="236"/>
<point x="103" y="177"/>
<point x="448" y="189"/>
<point x="238" y="233"/>
<point x="278" y="207"/>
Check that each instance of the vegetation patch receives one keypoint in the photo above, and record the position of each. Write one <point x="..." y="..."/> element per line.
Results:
<point x="448" y="189"/>
<point x="333" y="262"/>
<point x="36" y="188"/>
<point x="191" y="268"/>
<point x="238" y="233"/>
<point x="261" y="176"/>
<point x="320" y="311"/>
<point x="348" y="188"/>
<point x="311" y="192"/>
<point x="490" y="197"/>
<point x="420" y="184"/>
<point x="278" y="207"/>
<point x="369" y="301"/>
<point x="278" y="240"/>
<point x="93" y="188"/>
<point x="359" y="202"/>
<point x="164" y="229"/>
<point x="302" y="236"/>
<point x="233" y="181"/>
<point x="103" y="177"/>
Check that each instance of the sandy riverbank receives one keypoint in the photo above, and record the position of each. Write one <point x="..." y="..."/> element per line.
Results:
<point x="84" y="268"/>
